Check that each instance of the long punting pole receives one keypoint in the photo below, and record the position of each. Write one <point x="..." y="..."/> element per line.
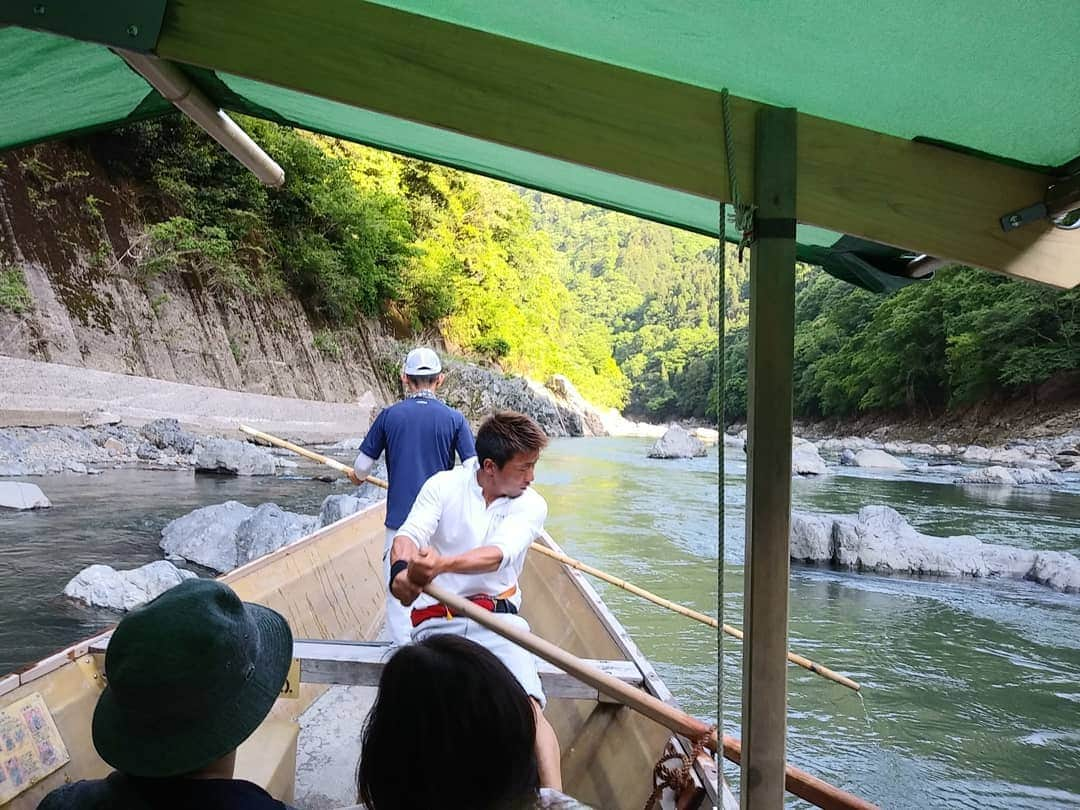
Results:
<point x="768" y="469"/>
<point x="799" y="782"/>
<point x="735" y="632"/>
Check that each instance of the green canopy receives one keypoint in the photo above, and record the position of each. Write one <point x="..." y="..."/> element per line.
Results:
<point x="474" y="85"/>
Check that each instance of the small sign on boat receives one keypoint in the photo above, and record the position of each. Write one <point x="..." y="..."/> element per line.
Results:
<point x="291" y="687"/>
<point x="30" y="746"/>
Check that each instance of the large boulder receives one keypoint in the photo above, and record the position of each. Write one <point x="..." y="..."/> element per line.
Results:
<point x="805" y="460"/>
<point x="336" y="507"/>
<point x="103" y="586"/>
<point x="878" y="460"/>
<point x="811" y="538"/>
<point x="229" y="534"/>
<point x="166" y="434"/>
<point x="269" y="528"/>
<point x="1001" y="476"/>
<point x="19" y="495"/>
<point x="207" y="536"/>
<point x="478" y="392"/>
<point x="879" y="539"/>
<point x="232" y="458"/>
<point x="567" y="394"/>
<point x="677" y="443"/>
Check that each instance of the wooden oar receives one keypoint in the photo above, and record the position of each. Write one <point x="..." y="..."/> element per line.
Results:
<point x="311" y="454"/>
<point x="643" y="702"/>
<point x="806" y="663"/>
<point x="798" y="782"/>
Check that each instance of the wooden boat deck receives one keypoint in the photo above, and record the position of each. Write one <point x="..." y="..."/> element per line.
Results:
<point x="328" y="586"/>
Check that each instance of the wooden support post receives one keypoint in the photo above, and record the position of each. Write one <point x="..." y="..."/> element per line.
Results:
<point x="768" y="469"/>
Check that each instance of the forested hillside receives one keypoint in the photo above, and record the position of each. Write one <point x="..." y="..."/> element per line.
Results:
<point x="964" y="337"/>
<point x="627" y="310"/>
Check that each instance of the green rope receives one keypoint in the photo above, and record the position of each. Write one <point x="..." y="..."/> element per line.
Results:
<point x="743" y="214"/>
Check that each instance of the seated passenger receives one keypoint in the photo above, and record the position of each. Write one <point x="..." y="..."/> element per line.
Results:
<point x="451" y="728"/>
<point x="190" y="676"/>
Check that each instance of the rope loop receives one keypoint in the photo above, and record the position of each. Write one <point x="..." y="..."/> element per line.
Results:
<point x="678" y="779"/>
<point x="743" y="214"/>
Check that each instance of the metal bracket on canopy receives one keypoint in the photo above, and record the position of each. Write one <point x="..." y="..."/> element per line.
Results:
<point x="1061" y="205"/>
<point x="175" y="86"/>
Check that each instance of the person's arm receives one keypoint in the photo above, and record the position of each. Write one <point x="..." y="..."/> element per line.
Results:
<point x="411" y="543"/>
<point x="370" y="449"/>
<point x="361" y="468"/>
<point x="463" y="440"/>
<point x="514" y="535"/>
<point x="404" y="589"/>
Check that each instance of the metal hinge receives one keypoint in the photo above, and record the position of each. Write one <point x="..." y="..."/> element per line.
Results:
<point x="1061" y="205"/>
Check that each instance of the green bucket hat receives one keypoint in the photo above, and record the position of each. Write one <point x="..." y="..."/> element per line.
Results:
<point x="190" y="676"/>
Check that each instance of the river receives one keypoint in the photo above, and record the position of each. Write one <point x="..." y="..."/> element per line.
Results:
<point x="971" y="690"/>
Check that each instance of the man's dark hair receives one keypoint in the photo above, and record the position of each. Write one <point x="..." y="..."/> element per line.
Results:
<point x="503" y="435"/>
<point x="422" y="380"/>
<point x="451" y="728"/>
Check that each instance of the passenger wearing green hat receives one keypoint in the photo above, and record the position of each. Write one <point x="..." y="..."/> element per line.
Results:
<point x="190" y="676"/>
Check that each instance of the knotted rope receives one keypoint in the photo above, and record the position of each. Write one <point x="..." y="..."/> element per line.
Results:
<point x="678" y="779"/>
<point x="743" y="214"/>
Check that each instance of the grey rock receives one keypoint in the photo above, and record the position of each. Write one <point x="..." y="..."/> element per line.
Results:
<point x="11" y="446"/>
<point x="347" y="445"/>
<point x="206" y="536"/>
<point x="847" y="457"/>
<point x="811" y="538"/>
<point x="879" y="539"/>
<point x="114" y="445"/>
<point x="268" y="528"/>
<point x="167" y="434"/>
<point x="232" y="457"/>
<point x="147" y="452"/>
<point x="805" y="460"/>
<point x="103" y="586"/>
<point x="1002" y="476"/>
<point x="1058" y="570"/>
<point x="99" y="417"/>
<point x="22" y="496"/>
<point x="336" y="507"/>
<point x="677" y="443"/>
<point x="974" y="452"/>
<point x="878" y="459"/>
<point x="13" y="469"/>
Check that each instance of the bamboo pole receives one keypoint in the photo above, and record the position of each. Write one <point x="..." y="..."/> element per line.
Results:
<point x="797" y="781"/>
<point x="643" y="702"/>
<point x="805" y="663"/>
<point x="309" y="454"/>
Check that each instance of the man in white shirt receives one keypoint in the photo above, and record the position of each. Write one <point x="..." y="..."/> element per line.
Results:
<point x="471" y="528"/>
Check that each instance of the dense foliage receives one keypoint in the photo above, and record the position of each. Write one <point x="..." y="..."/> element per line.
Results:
<point x="629" y="310"/>
<point x="961" y="338"/>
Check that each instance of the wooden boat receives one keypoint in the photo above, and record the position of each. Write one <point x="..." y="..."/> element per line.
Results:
<point x="329" y="586"/>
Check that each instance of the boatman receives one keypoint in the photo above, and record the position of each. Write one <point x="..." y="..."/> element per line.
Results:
<point x="470" y="528"/>
<point x="420" y="435"/>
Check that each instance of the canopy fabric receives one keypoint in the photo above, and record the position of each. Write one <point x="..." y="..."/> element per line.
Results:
<point x="945" y="73"/>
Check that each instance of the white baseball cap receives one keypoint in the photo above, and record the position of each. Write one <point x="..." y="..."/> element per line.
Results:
<point x="421" y="362"/>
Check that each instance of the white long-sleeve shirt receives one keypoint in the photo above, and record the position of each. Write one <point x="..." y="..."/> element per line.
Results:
<point x="451" y="516"/>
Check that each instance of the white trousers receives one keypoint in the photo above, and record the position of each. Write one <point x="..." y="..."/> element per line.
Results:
<point x="519" y="661"/>
<point x="398" y="623"/>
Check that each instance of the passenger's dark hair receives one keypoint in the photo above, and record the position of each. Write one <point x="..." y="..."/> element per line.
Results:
<point x="422" y="380"/>
<point x="452" y="729"/>
<point x="503" y="435"/>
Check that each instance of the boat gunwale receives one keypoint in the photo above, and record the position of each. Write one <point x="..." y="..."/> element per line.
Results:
<point x="707" y="776"/>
